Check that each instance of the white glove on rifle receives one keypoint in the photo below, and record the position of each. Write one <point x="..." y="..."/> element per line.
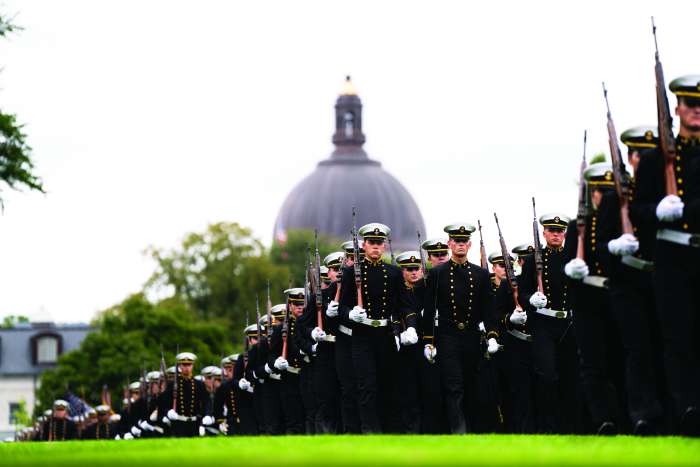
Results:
<point x="482" y="328"/>
<point x="430" y="352"/>
<point x="493" y="346"/>
<point x="172" y="415"/>
<point x="624" y="245"/>
<point x="281" y="364"/>
<point x="518" y="316"/>
<point x="223" y="427"/>
<point x="409" y="336"/>
<point x="135" y="431"/>
<point x="357" y="314"/>
<point x="398" y="343"/>
<point x="576" y="269"/>
<point x="538" y="300"/>
<point x="244" y="384"/>
<point x="670" y="209"/>
<point x="314" y="348"/>
<point x="118" y="438"/>
<point x="332" y="309"/>
<point x="128" y="436"/>
<point x="208" y="420"/>
<point x="202" y="431"/>
<point x="318" y="334"/>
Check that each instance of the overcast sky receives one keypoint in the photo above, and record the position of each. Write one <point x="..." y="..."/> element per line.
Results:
<point x="151" y="119"/>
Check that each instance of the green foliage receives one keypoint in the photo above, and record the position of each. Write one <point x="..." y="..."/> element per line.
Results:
<point x="130" y="336"/>
<point x="16" y="166"/>
<point x="293" y="252"/>
<point x="598" y="157"/>
<point x="11" y="321"/>
<point x="22" y="417"/>
<point x="218" y="273"/>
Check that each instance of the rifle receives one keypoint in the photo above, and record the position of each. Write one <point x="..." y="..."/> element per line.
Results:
<point x="309" y="275"/>
<point x="143" y="393"/>
<point x="128" y="397"/>
<point x="163" y="379"/>
<point x="177" y="374"/>
<point x="356" y="262"/>
<point x="482" y="249"/>
<point x="285" y="324"/>
<point x="257" y="316"/>
<point x="391" y="250"/>
<point x="106" y="396"/>
<point x="619" y="173"/>
<point x="539" y="265"/>
<point x="666" y="139"/>
<point x="583" y="204"/>
<point x="268" y="329"/>
<point x="423" y="267"/>
<point x="339" y="279"/>
<point x="508" y="264"/>
<point x="319" y="297"/>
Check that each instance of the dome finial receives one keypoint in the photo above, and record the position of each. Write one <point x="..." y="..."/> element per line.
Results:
<point x="348" y="87"/>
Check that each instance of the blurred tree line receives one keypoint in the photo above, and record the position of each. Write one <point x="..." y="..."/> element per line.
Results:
<point x="199" y="297"/>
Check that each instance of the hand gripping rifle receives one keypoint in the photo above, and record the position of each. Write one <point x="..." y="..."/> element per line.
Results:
<point x="356" y="263"/>
<point x="510" y="272"/>
<point x="619" y="174"/>
<point x="666" y="139"/>
<point x="317" y="277"/>
<point x="583" y="205"/>
<point x="539" y="265"/>
<point x="482" y="249"/>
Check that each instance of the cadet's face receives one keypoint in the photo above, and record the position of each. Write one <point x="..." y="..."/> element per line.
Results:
<point x="412" y="274"/>
<point x="135" y="395"/>
<point x="253" y="340"/>
<point x="596" y="198"/>
<point x="297" y="310"/>
<point x="228" y="372"/>
<point x="438" y="258"/>
<point x="688" y="112"/>
<point x="186" y="369"/>
<point x="521" y="261"/>
<point x="154" y="388"/>
<point x="554" y="238"/>
<point x="333" y="274"/>
<point x="500" y="270"/>
<point x="459" y="247"/>
<point x="374" y="249"/>
<point x="633" y="159"/>
<point x="217" y="383"/>
<point x="349" y="260"/>
<point x="209" y="382"/>
<point x="60" y="412"/>
<point x="103" y="417"/>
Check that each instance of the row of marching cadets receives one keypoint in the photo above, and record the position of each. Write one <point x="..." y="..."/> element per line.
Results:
<point x="597" y="334"/>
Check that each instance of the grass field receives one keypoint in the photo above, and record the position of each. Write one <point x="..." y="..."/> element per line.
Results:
<point x="489" y="450"/>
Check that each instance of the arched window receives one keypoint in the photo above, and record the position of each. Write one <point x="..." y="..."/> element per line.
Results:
<point x="349" y="124"/>
<point x="46" y="348"/>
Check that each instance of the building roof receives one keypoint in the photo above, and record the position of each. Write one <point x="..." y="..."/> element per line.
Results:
<point x="16" y="353"/>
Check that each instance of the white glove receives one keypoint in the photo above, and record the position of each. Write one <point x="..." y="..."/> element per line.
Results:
<point x="493" y="346"/>
<point x="318" y="334"/>
<point x="518" y="316"/>
<point x="332" y="309"/>
<point x="135" y="431"/>
<point x="576" y="269"/>
<point x="409" y="336"/>
<point x="281" y="364"/>
<point x="166" y="421"/>
<point x="208" y="420"/>
<point x="482" y="328"/>
<point x="202" y="431"/>
<point x="670" y="209"/>
<point x="223" y="427"/>
<point x="357" y="314"/>
<point x="624" y="245"/>
<point x="172" y="415"/>
<point x="538" y="300"/>
<point x="314" y="348"/>
<point x="154" y="415"/>
<point x="429" y="352"/>
<point x="268" y="370"/>
<point x="128" y="436"/>
<point x="143" y="424"/>
<point x="118" y="438"/>
<point x="244" y="384"/>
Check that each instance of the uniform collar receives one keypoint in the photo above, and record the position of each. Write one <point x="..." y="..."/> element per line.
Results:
<point x="683" y="141"/>
<point x="454" y="263"/>
<point x="373" y="263"/>
<point x="554" y="250"/>
<point x="408" y="284"/>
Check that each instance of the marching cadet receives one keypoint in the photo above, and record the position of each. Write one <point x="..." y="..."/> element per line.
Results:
<point x="554" y="349"/>
<point x="458" y="292"/>
<point x="438" y="251"/>
<point x="103" y="429"/>
<point x="326" y="384"/>
<point x="131" y="412"/>
<point x="225" y="399"/>
<point x="674" y="213"/>
<point x="343" y="348"/>
<point x="249" y="401"/>
<point x="371" y="309"/>
<point x="596" y="331"/>
<point x="284" y="363"/>
<point x="307" y="347"/>
<point x="149" y="425"/>
<point x="632" y="297"/>
<point x="58" y="426"/>
<point x="517" y="351"/>
<point x="267" y="376"/>
<point x="410" y="355"/>
<point x="188" y="399"/>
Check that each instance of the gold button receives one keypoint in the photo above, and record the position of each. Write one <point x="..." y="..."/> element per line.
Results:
<point x="680" y="192"/>
<point x="680" y="181"/>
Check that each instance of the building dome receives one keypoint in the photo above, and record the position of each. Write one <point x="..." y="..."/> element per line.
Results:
<point x="325" y="198"/>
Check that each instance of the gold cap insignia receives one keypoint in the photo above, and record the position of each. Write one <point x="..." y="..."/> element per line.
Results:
<point x="608" y="175"/>
<point x="439" y="245"/>
<point x="556" y="219"/>
<point x="413" y="258"/>
<point x="649" y="135"/>
<point x="376" y="230"/>
<point x="461" y="229"/>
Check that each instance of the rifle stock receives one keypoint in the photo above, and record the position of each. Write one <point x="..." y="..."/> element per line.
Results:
<point x="510" y="272"/>
<point x="356" y="261"/>
<point x="482" y="249"/>
<point x="538" y="248"/>
<point x="582" y="204"/>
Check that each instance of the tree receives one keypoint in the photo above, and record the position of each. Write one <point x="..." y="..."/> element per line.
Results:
<point x="129" y="336"/>
<point x="293" y="252"/>
<point x="11" y="321"/>
<point x="16" y="166"/>
<point x="219" y="273"/>
<point x="21" y="415"/>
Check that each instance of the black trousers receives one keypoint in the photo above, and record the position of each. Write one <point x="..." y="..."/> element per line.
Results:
<point x="409" y="389"/>
<point x="272" y="407"/>
<point x="308" y="396"/>
<point x="250" y="422"/>
<point x="457" y="358"/>
<point x="520" y="372"/>
<point x="326" y="389"/>
<point x="182" y="429"/>
<point x="634" y="308"/>
<point x="555" y="359"/>
<point x="676" y="280"/>
<point x="374" y="358"/>
<point x="345" y="370"/>
<point x="432" y="403"/>
<point x="292" y="403"/>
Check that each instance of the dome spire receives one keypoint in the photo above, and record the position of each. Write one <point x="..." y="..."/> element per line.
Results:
<point x="348" y="117"/>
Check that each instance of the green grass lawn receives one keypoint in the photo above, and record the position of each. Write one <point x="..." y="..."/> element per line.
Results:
<point x="308" y="451"/>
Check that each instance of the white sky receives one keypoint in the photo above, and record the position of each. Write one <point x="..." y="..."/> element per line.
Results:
<point x="152" y="119"/>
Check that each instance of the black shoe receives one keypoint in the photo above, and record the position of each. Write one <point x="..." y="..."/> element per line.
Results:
<point x="607" y="429"/>
<point x="644" y="428"/>
<point x="690" y="422"/>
